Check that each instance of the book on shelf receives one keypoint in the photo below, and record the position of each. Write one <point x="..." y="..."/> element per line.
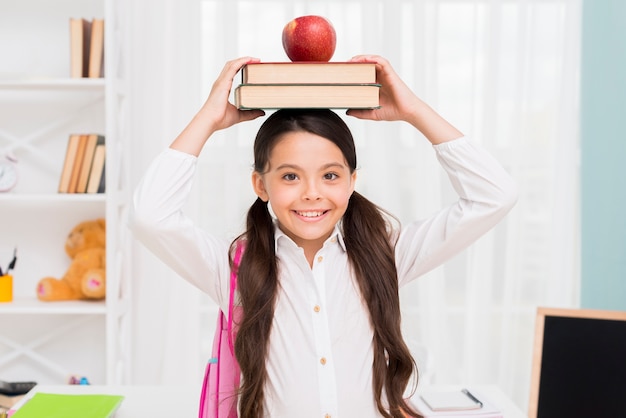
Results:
<point x="77" y="164"/>
<point x="96" y="49"/>
<point x="83" y="175"/>
<point x="82" y="165"/>
<point x="68" y="164"/>
<point x="69" y="406"/>
<point x="96" y="182"/>
<point x="276" y="96"/>
<point x="309" y="73"/>
<point x="86" y="47"/>
<point x="80" y="33"/>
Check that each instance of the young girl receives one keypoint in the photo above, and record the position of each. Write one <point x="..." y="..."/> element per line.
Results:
<point x="319" y="277"/>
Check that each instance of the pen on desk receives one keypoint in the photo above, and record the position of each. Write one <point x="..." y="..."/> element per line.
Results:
<point x="472" y="397"/>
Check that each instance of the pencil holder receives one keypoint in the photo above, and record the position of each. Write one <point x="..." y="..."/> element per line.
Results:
<point x="6" y="288"/>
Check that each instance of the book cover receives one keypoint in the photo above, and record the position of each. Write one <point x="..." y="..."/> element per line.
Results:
<point x="450" y="401"/>
<point x="80" y="39"/>
<point x="328" y="96"/>
<point x="96" y="175"/>
<point x="85" y="169"/>
<point x="68" y="164"/>
<point x="77" y="164"/>
<point x="103" y="178"/>
<point x="309" y="73"/>
<point x="52" y="405"/>
<point x="96" y="49"/>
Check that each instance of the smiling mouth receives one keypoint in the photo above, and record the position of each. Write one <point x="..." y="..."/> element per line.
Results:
<point x="310" y="214"/>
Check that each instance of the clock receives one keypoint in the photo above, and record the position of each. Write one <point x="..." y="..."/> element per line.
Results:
<point x="8" y="173"/>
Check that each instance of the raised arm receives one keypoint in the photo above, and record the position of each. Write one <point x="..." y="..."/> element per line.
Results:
<point x="398" y="102"/>
<point x="157" y="219"/>
<point x="217" y="112"/>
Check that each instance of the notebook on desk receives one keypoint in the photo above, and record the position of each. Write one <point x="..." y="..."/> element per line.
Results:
<point x="54" y="405"/>
<point x="432" y="404"/>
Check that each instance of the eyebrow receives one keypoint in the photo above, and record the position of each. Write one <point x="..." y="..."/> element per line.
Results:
<point x="296" y="167"/>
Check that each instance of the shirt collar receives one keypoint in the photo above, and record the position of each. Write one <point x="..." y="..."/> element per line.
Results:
<point x="335" y="236"/>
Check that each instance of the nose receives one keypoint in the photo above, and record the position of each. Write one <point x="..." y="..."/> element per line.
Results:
<point x="311" y="191"/>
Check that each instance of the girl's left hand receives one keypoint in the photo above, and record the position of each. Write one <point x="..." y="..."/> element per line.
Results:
<point x="397" y="101"/>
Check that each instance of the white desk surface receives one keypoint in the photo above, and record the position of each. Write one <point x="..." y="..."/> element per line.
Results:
<point x="139" y="401"/>
<point x="182" y="401"/>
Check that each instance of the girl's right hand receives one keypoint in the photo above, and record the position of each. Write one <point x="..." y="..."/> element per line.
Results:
<point x="217" y="112"/>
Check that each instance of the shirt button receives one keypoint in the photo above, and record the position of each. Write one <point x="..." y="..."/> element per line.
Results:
<point x="317" y="308"/>
<point x="319" y="259"/>
<point x="333" y="239"/>
<point x="323" y="361"/>
<point x="327" y="416"/>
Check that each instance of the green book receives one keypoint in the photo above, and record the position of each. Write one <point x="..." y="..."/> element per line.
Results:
<point x="53" y="405"/>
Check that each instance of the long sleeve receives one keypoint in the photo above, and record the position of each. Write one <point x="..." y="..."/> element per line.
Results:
<point x="158" y="222"/>
<point x="486" y="194"/>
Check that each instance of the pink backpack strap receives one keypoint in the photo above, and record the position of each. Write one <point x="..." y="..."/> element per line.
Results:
<point x="231" y="294"/>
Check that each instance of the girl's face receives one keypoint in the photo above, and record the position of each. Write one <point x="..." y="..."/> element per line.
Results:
<point x="308" y="184"/>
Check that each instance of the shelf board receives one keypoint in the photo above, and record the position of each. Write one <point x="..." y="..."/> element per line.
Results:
<point x="52" y="197"/>
<point x="52" y="84"/>
<point x="34" y="306"/>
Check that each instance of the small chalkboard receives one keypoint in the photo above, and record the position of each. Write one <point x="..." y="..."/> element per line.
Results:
<point x="579" y="364"/>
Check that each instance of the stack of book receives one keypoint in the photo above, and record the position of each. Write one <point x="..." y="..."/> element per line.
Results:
<point x="279" y="85"/>
<point x="86" y="48"/>
<point x="84" y="166"/>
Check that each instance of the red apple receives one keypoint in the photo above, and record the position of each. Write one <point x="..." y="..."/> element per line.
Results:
<point x="309" y="38"/>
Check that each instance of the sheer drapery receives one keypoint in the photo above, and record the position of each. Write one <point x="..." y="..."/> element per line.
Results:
<point x="164" y="84"/>
<point x="505" y="73"/>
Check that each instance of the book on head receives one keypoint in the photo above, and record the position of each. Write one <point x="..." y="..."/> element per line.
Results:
<point x="278" y="96"/>
<point x="309" y="73"/>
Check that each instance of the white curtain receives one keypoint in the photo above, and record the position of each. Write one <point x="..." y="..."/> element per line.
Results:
<point x="504" y="72"/>
<point x="164" y="84"/>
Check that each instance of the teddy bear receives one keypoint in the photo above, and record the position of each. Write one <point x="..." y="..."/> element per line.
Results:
<point x="85" y="278"/>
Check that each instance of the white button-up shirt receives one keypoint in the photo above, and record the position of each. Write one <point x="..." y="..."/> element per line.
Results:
<point x="320" y="350"/>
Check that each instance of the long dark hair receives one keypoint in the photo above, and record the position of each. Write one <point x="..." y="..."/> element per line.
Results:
<point x="368" y="244"/>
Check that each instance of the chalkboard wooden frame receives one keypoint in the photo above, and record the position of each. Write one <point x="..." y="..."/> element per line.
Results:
<point x="579" y="363"/>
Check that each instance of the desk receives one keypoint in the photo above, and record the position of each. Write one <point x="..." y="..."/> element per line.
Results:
<point x="139" y="401"/>
<point x="182" y="401"/>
